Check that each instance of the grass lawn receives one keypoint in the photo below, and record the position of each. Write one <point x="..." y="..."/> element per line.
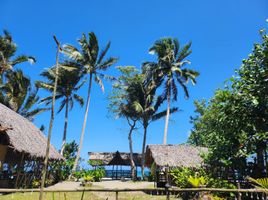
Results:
<point x="77" y="196"/>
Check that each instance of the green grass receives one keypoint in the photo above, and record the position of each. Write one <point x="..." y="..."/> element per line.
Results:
<point x="78" y="195"/>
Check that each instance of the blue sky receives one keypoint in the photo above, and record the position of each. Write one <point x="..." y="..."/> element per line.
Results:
<point x="222" y="34"/>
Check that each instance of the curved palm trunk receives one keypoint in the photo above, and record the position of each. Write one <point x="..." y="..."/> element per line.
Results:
<point x="65" y="126"/>
<point x="132" y="163"/>
<point x="83" y="128"/>
<point x="44" y="171"/>
<point x="167" y="118"/>
<point x="145" y="125"/>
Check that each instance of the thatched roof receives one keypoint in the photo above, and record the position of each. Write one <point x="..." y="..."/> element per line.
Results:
<point x="174" y="155"/>
<point x="115" y="158"/>
<point x="23" y="136"/>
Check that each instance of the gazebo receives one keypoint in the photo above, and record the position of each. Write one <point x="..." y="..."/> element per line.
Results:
<point x="22" y="150"/>
<point x="115" y="159"/>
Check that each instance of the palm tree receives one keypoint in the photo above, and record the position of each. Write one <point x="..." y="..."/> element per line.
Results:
<point x="7" y="51"/>
<point x="170" y="66"/>
<point x="146" y="104"/>
<point x="67" y="87"/>
<point x="121" y="105"/>
<point x="44" y="170"/>
<point x="18" y="94"/>
<point x="92" y="63"/>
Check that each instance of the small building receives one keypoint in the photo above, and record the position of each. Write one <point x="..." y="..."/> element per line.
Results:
<point x="164" y="157"/>
<point x="116" y="160"/>
<point x="22" y="150"/>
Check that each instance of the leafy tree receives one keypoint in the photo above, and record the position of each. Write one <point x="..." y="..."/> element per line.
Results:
<point x="92" y="63"/>
<point x="121" y="104"/>
<point x="233" y="124"/>
<point x="17" y="93"/>
<point x="67" y="88"/>
<point x="171" y="70"/>
<point x="7" y="52"/>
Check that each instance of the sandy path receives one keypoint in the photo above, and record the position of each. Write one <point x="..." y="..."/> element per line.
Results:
<point x="121" y="185"/>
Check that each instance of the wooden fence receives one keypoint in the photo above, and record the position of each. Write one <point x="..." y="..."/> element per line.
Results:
<point x="261" y="194"/>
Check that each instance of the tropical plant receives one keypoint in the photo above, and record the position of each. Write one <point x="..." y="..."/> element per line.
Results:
<point x="7" y="52"/>
<point x="18" y="94"/>
<point x="197" y="181"/>
<point x="62" y="169"/>
<point x="233" y="123"/>
<point x="170" y="69"/>
<point x="259" y="182"/>
<point x="146" y="104"/>
<point x="92" y="62"/>
<point x="121" y="105"/>
<point x="68" y="85"/>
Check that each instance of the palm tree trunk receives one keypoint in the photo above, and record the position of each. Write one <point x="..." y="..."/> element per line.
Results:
<point x="167" y="118"/>
<point x="83" y="128"/>
<point x="65" y="126"/>
<point x="132" y="163"/>
<point x="145" y="125"/>
<point x="44" y="171"/>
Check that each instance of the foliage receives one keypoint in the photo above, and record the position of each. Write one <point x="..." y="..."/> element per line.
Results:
<point x="233" y="124"/>
<point x="95" y="162"/>
<point x="170" y="70"/>
<point x="180" y="176"/>
<point x="96" y="174"/>
<point x="7" y="52"/>
<point x="92" y="63"/>
<point x="197" y="181"/>
<point x="62" y="169"/>
<point x="18" y="94"/>
<point x="259" y="182"/>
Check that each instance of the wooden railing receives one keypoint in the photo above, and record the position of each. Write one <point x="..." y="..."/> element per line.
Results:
<point x="260" y="193"/>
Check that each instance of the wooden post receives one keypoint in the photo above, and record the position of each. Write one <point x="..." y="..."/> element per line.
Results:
<point x="116" y="195"/>
<point x="238" y="194"/>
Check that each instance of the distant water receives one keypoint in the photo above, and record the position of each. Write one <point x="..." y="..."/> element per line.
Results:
<point x="146" y="172"/>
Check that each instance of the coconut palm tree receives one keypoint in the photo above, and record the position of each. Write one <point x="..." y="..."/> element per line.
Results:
<point x="92" y="62"/>
<point x="171" y="66"/>
<point x="7" y="52"/>
<point x="18" y="94"/>
<point x="44" y="170"/>
<point x="146" y="104"/>
<point x="67" y="88"/>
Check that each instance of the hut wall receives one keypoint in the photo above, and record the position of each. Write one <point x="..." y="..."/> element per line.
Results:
<point x="3" y="152"/>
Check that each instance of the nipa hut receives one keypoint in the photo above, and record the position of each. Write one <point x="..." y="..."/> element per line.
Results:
<point x="22" y="147"/>
<point x="164" y="157"/>
<point x="116" y="160"/>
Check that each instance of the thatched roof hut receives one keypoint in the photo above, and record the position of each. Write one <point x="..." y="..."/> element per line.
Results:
<point x="114" y="158"/>
<point x="175" y="155"/>
<point x="19" y="136"/>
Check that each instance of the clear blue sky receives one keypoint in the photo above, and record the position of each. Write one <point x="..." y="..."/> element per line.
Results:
<point x="222" y="34"/>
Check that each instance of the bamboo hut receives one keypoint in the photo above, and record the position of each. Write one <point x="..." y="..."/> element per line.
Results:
<point x="163" y="157"/>
<point x="116" y="160"/>
<point x="22" y="149"/>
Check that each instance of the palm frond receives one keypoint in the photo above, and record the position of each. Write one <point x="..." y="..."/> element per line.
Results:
<point x="164" y="113"/>
<point x="79" y="99"/>
<point x="103" y="52"/>
<point x="99" y="82"/>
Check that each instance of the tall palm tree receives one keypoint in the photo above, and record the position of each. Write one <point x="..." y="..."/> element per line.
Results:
<point x="7" y="51"/>
<point x="44" y="170"/>
<point x="171" y="66"/>
<point x="67" y="88"/>
<point x="92" y="63"/>
<point x="18" y="94"/>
